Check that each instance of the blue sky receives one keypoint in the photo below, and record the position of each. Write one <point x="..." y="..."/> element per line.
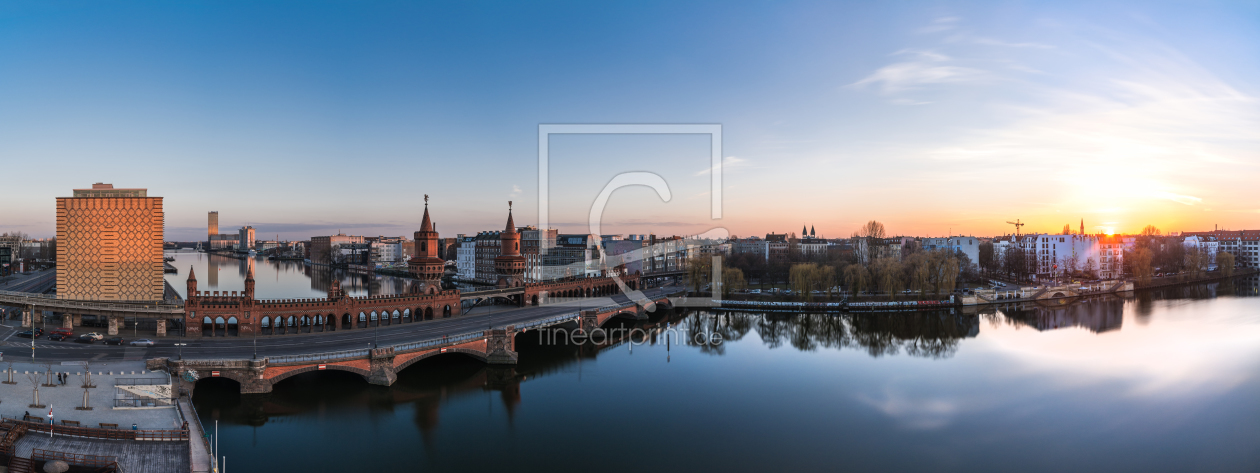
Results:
<point x="302" y="118"/>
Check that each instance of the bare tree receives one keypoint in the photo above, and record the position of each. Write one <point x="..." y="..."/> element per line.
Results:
<point x="1150" y="230"/>
<point x="87" y="376"/>
<point x="34" y="379"/>
<point x="872" y="234"/>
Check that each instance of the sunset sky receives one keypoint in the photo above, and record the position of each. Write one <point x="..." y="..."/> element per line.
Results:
<point x="304" y="118"/>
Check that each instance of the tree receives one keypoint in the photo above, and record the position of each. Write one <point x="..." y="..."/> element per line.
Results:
<point x="856" y="277"/>
<point x="1140" y="262"/>
<point x="1225" y="261"/>
<point x="943" y="271"/>
<point x="699" y="269"/>
<point x="920" y="273"/>
<point x="872" y="235"/>
<point x="34" y="379"/>
<point x="1067" y="229"/>
<point x="887" y="273"/>
<point x="732" y="280"/>
<point x="987" y="258"/>
<point x="1150" y="231"/>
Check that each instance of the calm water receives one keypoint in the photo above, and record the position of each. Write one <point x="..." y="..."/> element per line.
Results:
<point x="1166" y="381"/>
<point x="276" y="279"/>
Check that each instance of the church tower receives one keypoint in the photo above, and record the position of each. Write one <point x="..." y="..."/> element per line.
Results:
<point x="510" y="265"/>
<point x="426" y="265"/>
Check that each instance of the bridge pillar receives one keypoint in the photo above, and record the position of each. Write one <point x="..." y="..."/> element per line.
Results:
<point x="113" y="325"/>
<point x="26" y="318"/>
<point x="501" y="347"/>
<point x="78" y="320"/>
<point x="257" y="383"/>
<point x="589" y="320"/>
<point x="383" y="372"/>
<point x="161" y="327"/>
<point x="67" y="321"/>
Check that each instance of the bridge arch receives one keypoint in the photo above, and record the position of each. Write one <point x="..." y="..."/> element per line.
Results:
<point x="406" y="314"/>
<point x="328" y="367"/>
<point x="479" y="356"/>
<point x="446" y="311"/>
<point x="428" y="313"/>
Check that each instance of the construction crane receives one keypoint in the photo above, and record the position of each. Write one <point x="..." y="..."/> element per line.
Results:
<point x="1017" y="224"/>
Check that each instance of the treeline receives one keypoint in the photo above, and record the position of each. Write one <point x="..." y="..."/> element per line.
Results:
<point x="870" y="266"/>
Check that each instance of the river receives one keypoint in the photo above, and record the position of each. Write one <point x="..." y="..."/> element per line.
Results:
<point x="1165" y="380"/>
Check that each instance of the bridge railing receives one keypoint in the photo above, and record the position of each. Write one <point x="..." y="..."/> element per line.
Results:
<point x="52" y="300"/>
<point x="548" y="321"/>
<point x="436" y="342"/>
<point x="335" y="355"/>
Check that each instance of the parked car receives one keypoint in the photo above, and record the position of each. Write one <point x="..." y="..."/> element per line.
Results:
<point x="58" y="336"/>
<point x="93" y="335"/>
<point x="114" y="341"/>
<point x="143" y="342"/>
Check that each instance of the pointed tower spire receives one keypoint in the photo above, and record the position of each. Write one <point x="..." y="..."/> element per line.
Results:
<point x="511" y="226"/>
<point x="191" y="284"/>
<point x="1082" y="226"/>
<point x="426" y="225"/>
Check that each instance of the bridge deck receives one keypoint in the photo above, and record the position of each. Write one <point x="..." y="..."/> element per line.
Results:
<point x="339" y="340"/>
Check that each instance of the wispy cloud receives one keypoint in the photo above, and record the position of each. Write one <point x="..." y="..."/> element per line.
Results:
<point x="729" y="163"/>
<point x="1178" y="198"/>
<point x="921" y="69"/>
<point x="944" y="23"/>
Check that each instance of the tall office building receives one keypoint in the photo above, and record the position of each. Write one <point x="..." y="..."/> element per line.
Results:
<point x="109" y="245"/>
<point x="212" y="225"/>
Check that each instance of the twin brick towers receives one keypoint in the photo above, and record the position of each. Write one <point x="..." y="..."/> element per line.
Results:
<point x="428" y="267"/>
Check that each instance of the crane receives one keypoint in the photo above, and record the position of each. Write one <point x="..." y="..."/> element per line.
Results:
<point x="1017" y="224"/>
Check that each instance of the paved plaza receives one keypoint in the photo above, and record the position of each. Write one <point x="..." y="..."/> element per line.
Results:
<point x="15" y="399"/>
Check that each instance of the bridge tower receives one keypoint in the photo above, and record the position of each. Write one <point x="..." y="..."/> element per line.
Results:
<point x="510" y="265"/>
<point x="192" y="282"/>
<point x="427" y="265"/>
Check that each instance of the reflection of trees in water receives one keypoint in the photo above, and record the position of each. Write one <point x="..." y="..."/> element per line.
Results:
<point x="920" y="334"/>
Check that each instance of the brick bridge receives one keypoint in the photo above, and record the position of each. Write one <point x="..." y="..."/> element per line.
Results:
<point x="380" y="366"/>
<point x="213" y="313"/>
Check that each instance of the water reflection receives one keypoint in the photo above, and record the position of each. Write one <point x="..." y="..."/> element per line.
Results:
<point x="999" y="385"/>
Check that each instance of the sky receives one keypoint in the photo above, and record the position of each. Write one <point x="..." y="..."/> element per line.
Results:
<point x="312" y="117"/>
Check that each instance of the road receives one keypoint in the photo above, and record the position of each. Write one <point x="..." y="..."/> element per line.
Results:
<point x="18" y="349"/>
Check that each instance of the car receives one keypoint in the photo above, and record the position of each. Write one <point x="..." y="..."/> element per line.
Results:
<point x="92" y="335"/>
<point x="143" y="342"/>
<point x="114" y="341"/>
<point x="29" y="334"/>
<point x="84" y="339"/>
<point x="62" y="330"/>
<point x="58" y="336"/>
